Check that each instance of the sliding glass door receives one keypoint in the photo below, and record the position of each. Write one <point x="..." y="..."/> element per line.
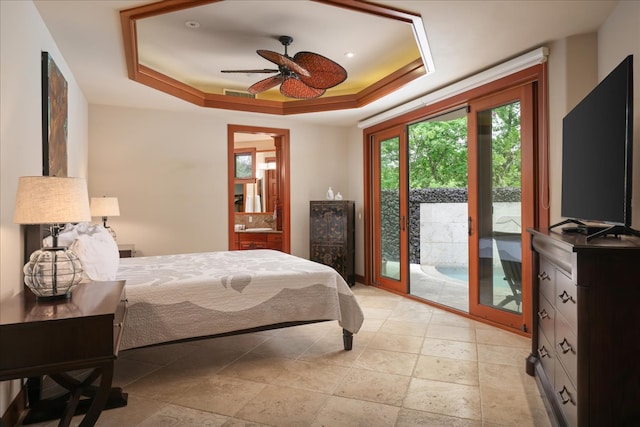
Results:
<point x="501" y="205"/>
<point x="452" y="196"/>
<point x="438" y="206"/>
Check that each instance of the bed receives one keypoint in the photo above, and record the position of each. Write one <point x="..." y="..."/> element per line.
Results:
<point x="176" y="297"/>
<point x="192" y="296"/>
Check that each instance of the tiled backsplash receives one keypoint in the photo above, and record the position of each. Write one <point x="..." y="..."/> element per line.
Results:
<point x="256" y="220"/>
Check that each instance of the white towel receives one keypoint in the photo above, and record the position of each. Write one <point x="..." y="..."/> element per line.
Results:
<point x="248" y="204"/>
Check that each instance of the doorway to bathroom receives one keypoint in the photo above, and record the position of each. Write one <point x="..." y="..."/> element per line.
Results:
<point x="259" y="181"/>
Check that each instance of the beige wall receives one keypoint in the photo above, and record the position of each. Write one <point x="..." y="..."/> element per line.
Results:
<point x="576" y="65"/>
<point x="169" y="172"/>
<point x="23" y="36"/>
<point x="572" y="74"/>
<point x="618" y="37"/>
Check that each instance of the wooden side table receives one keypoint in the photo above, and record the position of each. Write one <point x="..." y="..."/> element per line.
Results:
<point x="40" y="337"/>
<point x="127" y="250"/>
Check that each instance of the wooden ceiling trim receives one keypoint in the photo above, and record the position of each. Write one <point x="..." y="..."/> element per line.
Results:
<point x="159" y="81"/>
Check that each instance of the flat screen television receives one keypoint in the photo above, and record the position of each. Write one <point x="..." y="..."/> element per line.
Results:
<point x="597" y="145"/>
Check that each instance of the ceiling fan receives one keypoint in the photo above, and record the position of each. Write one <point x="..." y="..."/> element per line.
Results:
<point x="306" y="75"/>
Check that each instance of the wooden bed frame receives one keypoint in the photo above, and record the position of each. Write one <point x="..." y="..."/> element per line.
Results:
<point x="35" y="234"/>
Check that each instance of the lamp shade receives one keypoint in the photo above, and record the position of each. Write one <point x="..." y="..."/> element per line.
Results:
<point x="51" y="200"/>
<point x="105" y="206"/>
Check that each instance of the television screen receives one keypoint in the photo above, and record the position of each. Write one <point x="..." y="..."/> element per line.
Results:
<point x="597" y="146"/>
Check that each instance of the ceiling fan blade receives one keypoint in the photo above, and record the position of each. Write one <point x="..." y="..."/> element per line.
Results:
<point x="278" y="58"/>
<point x="265" y="84"/>
<point x="263" y="70"/>
<point x="325" y="73"/>
<point x="294" y="88"/>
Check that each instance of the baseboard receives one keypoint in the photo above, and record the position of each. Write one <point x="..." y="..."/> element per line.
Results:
<point x="12" y="415"/>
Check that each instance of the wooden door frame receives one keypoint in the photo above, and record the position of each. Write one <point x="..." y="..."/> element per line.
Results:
<point x="282" y="142"/>
<point x="391" y="284"/>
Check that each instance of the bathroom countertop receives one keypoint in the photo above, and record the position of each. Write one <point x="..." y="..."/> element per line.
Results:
<point x="249" y="230"/>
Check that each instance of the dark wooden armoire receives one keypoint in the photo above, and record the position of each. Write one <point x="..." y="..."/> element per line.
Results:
<point x="332" y="236"/>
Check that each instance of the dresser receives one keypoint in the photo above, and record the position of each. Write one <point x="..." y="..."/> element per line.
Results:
<point x="53" y="337"/>
<point x="332" y="236"/>
<point x="586" y="336"/>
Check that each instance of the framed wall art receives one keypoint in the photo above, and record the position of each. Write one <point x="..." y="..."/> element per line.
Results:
<point x="54" y="119"/>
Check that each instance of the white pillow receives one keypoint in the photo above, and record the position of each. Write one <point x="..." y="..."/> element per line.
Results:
<point x="67" y="235"/>
<point x="94" y="246"/>
<point x="98" y="252"/>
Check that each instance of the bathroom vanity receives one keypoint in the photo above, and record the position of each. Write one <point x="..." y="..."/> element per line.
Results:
<point x="258" y="239"/>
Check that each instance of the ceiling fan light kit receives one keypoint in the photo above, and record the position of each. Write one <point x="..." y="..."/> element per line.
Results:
<point x="307" y="75"/>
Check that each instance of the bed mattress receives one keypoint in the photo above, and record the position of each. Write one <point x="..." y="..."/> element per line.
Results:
<point x="176" y="297"/>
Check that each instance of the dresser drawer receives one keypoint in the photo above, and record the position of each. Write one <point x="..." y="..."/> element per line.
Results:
<point x="566" y="395"/>
<point x="546" y="278"/>
<point x="566" y="347"/>
<point x="547" y="356"/>
<point x="274" y="237"/>
<point x="566" y="301"/>
<point x="274" y="241"/>
<point x="246" y="245"/>
<point x="546" y="315"/>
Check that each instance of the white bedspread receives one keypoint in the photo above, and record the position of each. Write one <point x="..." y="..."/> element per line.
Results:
<point x="175" y="297"/>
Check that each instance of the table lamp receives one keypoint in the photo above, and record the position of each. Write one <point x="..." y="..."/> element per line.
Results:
<point x="52" y="272"/>
<point x="105" y="207"/>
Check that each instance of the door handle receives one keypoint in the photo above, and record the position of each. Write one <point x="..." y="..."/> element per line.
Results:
<point x="403" y="223"/>
<point x="470" y="226"/>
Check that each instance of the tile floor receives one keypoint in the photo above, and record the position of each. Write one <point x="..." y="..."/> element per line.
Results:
<point x="411" y="365"/>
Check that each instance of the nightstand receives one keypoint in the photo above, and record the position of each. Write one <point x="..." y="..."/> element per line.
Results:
<point x="127" y="250"/>
<point x="40" y="337"/>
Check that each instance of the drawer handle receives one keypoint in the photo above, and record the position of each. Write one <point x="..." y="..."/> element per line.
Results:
<point x="118" y="325"/>
<point x="565" y="396"/>
<point x="565" y="346"/>
<point x="543" y="314"/>
<point x="565" y="297"/>
<point x="544" y="276"/>
<point x="542" y="351"/>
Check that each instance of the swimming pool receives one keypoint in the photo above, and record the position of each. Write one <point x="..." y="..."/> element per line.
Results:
<point x="455" y="272"/>
<point x="461" y="272"/>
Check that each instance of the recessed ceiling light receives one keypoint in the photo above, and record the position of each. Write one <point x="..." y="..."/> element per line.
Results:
<point x="349" y="54"/>
<point x="192" y="24"/>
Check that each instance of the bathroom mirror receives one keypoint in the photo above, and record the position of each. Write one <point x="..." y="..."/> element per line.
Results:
<point x="255" y="171"/>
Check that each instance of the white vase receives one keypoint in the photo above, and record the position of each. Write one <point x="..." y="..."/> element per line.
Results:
<point x="329" y="194"/>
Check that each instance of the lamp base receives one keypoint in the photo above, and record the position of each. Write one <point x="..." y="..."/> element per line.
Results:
<point x="53" y="297"/>
<point x="52" y="272"/>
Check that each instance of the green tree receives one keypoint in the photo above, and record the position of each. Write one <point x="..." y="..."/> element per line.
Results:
<point x="390" y="164"/>
<point x="438" y="151"/>
<point x="438" y="154"/>
<point x="506" y="145"/>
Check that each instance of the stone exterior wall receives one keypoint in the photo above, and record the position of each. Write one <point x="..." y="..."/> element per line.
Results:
<point x="438" y="227"/>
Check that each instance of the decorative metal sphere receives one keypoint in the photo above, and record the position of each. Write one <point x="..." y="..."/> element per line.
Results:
<point x="52" y="272"/>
